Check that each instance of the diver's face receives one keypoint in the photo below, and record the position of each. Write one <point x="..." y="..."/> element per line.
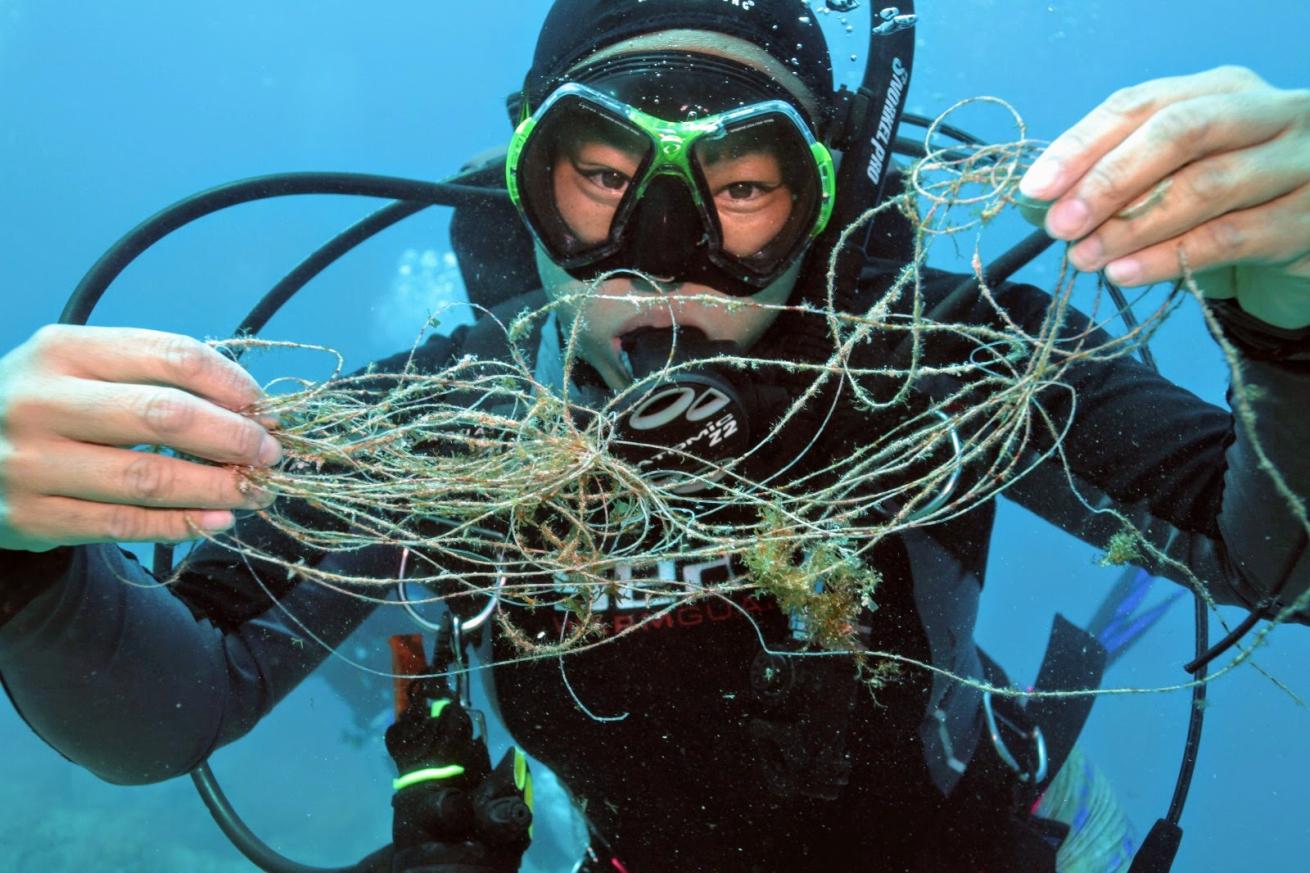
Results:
<point x="753" y="204"/>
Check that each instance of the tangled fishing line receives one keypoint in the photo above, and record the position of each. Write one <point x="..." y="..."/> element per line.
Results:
<point x="498" y="483"/>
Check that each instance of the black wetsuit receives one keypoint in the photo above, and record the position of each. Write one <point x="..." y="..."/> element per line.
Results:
<point x="680" y="783"/>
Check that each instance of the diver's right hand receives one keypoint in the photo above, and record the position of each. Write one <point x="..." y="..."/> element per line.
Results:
<point x="74" y="400"/>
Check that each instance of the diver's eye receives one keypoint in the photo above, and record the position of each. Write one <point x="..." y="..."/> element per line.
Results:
<point x="609" y="179"/>
<point x="747" y="190"/>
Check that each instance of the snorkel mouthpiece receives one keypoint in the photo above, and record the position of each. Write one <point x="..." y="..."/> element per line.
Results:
<point x="690" y="417"/>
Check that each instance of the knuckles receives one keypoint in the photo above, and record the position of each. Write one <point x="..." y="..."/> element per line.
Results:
<point x="27" y="405"/>
<point x="1209" y="180"/>
<point x="1235" y="74"/>
<point x="188" y="358"/>
<point x="166" y="412"/>
<point x="147" y="480"/>
<point x="1182" y="127"/>
<point x="1227" y="238"/>
<point x="194" y="363"/>
<point x="17" y="466"/>
<point x="19" y="522"/>
<point x="1299" y="108"/>
<point x="50" y="340"/>
<point x="124" y="524"/>
<point x="40" y="354"/>
<point x="1133" y="100"/>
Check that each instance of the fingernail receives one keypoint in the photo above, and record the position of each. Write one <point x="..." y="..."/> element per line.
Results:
<point x="270" y="451"/>
<point x="1041" y="179"/>
<point x="1067" y="219"/>
<point x="1125" y="271"/>
<point x="214" y="520"/>
<point x="1087" y="254"/>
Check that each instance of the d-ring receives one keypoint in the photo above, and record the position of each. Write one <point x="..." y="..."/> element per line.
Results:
<point x="466" y="625"/>
<point x="1038" y="773"/>
<point x="948" y="487"/>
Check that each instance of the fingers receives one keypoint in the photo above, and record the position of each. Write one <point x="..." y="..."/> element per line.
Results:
<point x="1198" y="193"/>
<point x="76" y="522"/>
<point x="1235" y="237"/>
<point x="1208" y="170"/>
<point x="112" y="414"/>
<point x="73" y="398"/>
<point x="1178" y="136"/>
<point x="131" y="355"/>
<point x="98" y="494"/>
<point x="105" y="475"/>
<point x="1073" y="155"/>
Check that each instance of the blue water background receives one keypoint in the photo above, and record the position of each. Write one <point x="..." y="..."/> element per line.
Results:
<point x="108" y="111"/>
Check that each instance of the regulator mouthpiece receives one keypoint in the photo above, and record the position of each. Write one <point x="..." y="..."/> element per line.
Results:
<point x="689" y="418"/>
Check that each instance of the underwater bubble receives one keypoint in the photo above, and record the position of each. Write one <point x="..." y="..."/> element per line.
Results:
<point x="425" y="280"/>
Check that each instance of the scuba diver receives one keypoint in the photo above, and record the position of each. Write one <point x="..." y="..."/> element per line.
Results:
<point x="696" y="749"/>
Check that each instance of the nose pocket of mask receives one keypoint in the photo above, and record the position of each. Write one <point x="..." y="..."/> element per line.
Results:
<point x="664" y="229"/>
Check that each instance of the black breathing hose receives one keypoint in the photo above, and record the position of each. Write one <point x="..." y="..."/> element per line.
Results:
<point x="411" y="197"/>
<point x="153" y="229"/>
<point x="229" y="822"/>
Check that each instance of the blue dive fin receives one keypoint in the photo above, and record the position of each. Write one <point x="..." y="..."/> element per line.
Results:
<point x="1118" y="623"/>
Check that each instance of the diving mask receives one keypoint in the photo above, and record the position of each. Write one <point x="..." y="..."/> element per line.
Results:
<point x="729" y="200"/>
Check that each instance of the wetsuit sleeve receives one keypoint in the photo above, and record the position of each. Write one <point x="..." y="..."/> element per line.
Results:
<point x="119" y="674"/>
<point x="1184" y="472"/>
<point x="138" y="681"/>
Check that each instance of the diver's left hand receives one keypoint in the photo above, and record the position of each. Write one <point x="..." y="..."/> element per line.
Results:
<point x="1214" y="166"/>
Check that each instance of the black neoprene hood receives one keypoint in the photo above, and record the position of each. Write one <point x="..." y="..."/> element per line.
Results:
<point x="575" y="29"/>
